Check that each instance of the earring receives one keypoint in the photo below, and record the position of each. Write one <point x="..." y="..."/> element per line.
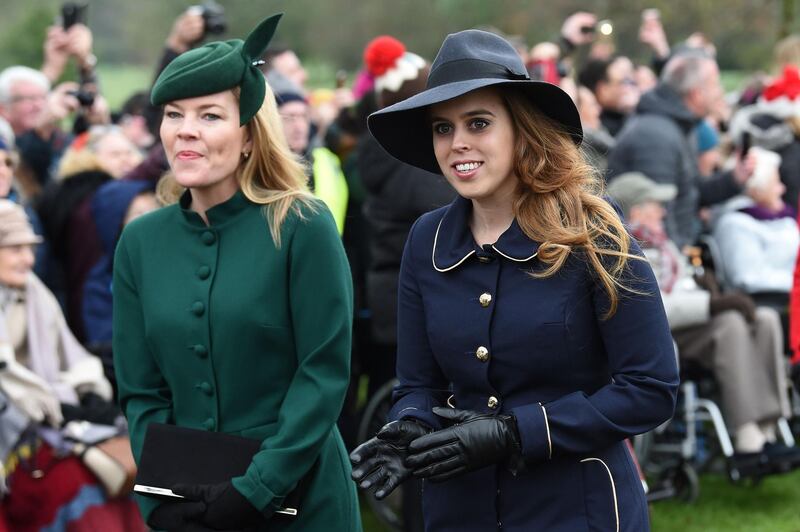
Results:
<point x="246" y="155"/>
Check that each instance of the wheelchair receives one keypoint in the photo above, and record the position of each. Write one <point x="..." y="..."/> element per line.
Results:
<point x="695" y="440"/>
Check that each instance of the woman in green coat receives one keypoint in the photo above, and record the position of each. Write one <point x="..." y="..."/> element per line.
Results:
<point x="232" y="307"/>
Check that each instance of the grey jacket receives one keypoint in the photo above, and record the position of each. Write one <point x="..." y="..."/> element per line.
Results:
<point x="659" y="141"/>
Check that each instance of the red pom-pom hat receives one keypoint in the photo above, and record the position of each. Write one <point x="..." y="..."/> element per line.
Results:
<point x="782" y="97"/>
<point x="390" y="64"/>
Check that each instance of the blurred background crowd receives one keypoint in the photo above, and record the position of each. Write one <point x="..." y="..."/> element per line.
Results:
<point x="707" y="177"/>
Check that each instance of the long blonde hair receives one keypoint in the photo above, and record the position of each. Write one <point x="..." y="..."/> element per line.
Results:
<point x="559" y="200"/>
<point x="271" y="176"/>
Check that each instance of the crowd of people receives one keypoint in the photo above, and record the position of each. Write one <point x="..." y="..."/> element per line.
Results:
<point x="706" y="182"/>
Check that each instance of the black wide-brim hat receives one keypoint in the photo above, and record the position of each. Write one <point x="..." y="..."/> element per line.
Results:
<point x="467" y="61"/>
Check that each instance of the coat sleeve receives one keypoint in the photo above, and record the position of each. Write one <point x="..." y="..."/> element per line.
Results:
<point x="746" y="262"/>
<point x="321" y="309"/>
<point x="717" y="188"/>
<point x="644" y="378"/>
<point x="421" y="383"/>
<point x="143" y="392"/>
<point x="794" y="313"/>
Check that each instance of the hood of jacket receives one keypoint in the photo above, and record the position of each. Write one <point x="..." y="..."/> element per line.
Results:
<point x="109" y="206"/>
<point x="666" y="102"/>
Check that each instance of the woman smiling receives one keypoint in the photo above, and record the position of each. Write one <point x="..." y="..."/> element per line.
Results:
<point x="232" y="308"/>
<point x="531" y="337"/>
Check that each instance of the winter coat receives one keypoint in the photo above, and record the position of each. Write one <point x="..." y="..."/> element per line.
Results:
<point x="685" y="302"/>
<point x="659" y="142"/>
<point x="757" y="255"/>
<point x="108" y="206"/>
<point x="397" y="194"/>
<point x="67" y="221"/>
<point x="478" y="332"/>
<point x="217" y="328"/>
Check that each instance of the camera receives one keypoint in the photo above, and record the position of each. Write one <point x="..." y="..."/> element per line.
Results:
<point x="85" y="98"/>
<point x="73" y="13"/>
<point x="604" y="27"/>
<point x="213" y="17"/>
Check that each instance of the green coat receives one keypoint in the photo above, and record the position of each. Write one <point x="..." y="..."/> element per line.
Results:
<point x="215" y="328"/>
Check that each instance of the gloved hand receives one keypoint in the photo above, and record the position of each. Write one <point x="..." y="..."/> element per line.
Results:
<point x="733" y="301"/>
<point x="177" y="516"/>
<point x="29" y="392"/>
<point x="379" y="461"/>
<point x="476" y="440"/>
<point x="225" y="507"/>
<point x="92" y="408"/>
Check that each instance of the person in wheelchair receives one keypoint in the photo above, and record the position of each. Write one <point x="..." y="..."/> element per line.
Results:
<point x="741" y="343"/>
<point x="758" y="242"/>
<point x="531" y="338"/>
<point x="49" y="386"/>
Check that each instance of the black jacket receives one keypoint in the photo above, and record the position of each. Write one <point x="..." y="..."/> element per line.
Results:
<point x="660" y="141"/>
<point x="397" y="194"/>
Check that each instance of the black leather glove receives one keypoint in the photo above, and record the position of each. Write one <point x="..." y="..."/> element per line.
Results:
<point x="379" y="462"/>
<point x="92" y="408"/>
<point x="476" y="440"/>
<point x="733" y="301"/>
<point x="225" y="507"/>
<point x="177" y="516"/>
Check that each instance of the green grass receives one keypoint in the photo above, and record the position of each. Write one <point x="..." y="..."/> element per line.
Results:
<point x="771" y="506"/>
<point x="118" y="82"/>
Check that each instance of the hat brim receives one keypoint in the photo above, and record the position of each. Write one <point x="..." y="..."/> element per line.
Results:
<point x="662" y="193"/>
<point x="21" y="240"/>
<point x="403" y="129"/>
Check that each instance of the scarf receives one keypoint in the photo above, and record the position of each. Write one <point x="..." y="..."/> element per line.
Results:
<point x="763" y="214"/>
<point x="668" y="269"/>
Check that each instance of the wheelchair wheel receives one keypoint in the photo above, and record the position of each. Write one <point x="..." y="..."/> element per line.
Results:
<point x="389" y="510"/>
<point x="686" y="483"/>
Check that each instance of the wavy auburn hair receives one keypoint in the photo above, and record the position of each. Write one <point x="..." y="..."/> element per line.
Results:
<point x="560" y="200"/>
<point x="272" y="176"/>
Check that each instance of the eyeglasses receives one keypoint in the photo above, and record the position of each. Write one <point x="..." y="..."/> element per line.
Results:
<point x="295" y="117"/>
<point x="28" y="98"/>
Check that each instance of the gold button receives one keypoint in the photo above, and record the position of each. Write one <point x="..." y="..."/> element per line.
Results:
<point x="482" y="353"/>
<point x="493" y="402"/>
<point x="485" y="299"/>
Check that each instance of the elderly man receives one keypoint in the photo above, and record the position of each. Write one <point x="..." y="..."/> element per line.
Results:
<point x="659" y="141"/>
<point x="726" y="333"/>
<point x="34" y="112"/>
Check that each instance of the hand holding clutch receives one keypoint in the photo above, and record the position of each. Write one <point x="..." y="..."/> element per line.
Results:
<point x="225" y="507"/>
<point x="476" y="440"/>
<point x="178" y="516"/>
<point x="379" y="461"/>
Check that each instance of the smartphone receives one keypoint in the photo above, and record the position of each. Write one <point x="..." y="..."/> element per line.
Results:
<point x="651" y="13"/>
<point x="73" y="13"/>
<point x="746" y="142"/>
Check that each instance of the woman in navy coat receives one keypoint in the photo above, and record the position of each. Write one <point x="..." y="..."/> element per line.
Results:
<point x="531" y="335"/>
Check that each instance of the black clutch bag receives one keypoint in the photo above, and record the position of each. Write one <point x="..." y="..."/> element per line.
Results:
<point x="178" y="455"/>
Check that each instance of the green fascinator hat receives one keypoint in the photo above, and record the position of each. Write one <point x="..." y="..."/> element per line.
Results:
<point x="219" y="66"/>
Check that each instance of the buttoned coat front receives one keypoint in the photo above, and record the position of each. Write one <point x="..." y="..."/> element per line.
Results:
<point x="477" y="331"/>
<point x="217" y="328"/>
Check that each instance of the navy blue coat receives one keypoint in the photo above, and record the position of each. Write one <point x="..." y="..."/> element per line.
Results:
<point x="475" y="329"/>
